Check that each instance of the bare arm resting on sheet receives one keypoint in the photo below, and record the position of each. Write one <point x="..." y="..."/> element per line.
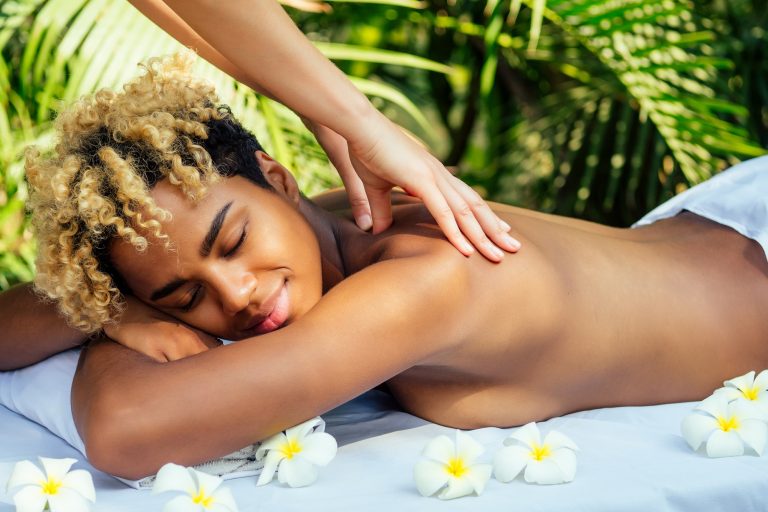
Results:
<point x="32" y="329"/>
<point x="135" y="414"/>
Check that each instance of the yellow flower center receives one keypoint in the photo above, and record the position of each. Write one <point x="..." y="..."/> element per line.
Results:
<point x="456" y="467"/>
<point x="540" y="452"/>
<point x="290" y="448"/>
<point x="51" y="486"/>
<point x="751" y="393"/>
<point x="202" y="499"/>
<point x="727" y="424"/>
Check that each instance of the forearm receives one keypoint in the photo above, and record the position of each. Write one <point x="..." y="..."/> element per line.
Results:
<point x="32" y="329"/>
<point x="258" y="38"/>
<point x="165" y="18"/>
<point x="135" y="414"/>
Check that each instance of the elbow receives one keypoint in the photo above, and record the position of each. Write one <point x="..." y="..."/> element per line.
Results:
<point x="113" y="443"/>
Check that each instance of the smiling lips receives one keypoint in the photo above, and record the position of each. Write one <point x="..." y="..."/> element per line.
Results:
<point x="278" y="313"/>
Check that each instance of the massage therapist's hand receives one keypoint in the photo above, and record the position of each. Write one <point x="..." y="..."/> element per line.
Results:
<point x="371" y="153"/>
<point x="383" y="157"/>
<point x="157" y="335"/>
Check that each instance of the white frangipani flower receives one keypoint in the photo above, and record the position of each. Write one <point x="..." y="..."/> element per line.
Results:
<point x="58" y="488"/>
<point x="201" y="492"/>
<point x="295" y="454"/>
<point x="725" y="427"/>
<point x="552" y="461"/>
<point x="748" y="389"/>
<point x="449" y="467"/>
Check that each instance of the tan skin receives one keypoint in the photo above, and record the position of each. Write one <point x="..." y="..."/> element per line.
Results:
<point x="586" y="316"/>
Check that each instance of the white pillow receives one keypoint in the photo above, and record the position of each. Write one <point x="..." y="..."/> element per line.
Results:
<point x="41" y="393"/>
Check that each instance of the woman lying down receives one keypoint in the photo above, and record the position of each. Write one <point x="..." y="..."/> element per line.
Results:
<point x="159" y="205"/>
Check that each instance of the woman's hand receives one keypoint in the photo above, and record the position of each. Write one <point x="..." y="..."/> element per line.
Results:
<point x="156" y="334"/>
<point x="384" y="157"/>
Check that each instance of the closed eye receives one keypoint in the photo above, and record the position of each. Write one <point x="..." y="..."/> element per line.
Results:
<point x="239" y="242"/>
<point x="188" y="306"/>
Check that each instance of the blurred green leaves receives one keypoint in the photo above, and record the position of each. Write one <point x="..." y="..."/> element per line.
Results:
<point x="599" y="109"/>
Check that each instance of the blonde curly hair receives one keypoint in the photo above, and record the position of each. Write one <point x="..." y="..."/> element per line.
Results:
<point x="113" y="148"/>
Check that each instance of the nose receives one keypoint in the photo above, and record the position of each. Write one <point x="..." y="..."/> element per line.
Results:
<point x="235" y="290"/>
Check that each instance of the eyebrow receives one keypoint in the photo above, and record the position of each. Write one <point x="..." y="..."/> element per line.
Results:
<point x="213" y="232"/>
<point x="205" y="250"/>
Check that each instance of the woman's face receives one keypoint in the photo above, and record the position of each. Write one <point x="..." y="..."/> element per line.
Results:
<point x="243" y="261"/>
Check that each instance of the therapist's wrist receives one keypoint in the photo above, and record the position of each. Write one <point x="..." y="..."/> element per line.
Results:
<point x="356" y="119"/>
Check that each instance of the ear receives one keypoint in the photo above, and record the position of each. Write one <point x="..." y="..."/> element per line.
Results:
<point x="278" y="177"/>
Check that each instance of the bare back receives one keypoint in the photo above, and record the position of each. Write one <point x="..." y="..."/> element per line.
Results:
<point x="589" y="316"/>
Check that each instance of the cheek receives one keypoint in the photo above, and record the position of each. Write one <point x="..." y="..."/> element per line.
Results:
<point x="207" y="316"/>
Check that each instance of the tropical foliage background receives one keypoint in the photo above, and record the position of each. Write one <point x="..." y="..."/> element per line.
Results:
<point x="596" y="109"/>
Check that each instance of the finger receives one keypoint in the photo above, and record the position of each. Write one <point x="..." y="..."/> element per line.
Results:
<point x="338" y="153"/>
<point x="381" y="208"/>
<point x="493" y="227"/>
<point x="468" y="224"/>
<point x="358" y="200"/>
<point x="441" y="211"/>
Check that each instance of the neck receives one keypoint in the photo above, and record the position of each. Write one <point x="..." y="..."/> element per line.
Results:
<point x="335" y="235"/>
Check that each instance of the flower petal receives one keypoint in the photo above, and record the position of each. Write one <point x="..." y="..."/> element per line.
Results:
<point x="716" y="405"/>
<point x="729" y="393"/>
<point x="696" y="428"/>
<point x="173" y="477"/>
<point x="440" y="449"/>
<point x="272" y="443"/>
<point x="56" y="468"/>
<point x="747" y="410"/>
<point x="457" y="487"/>
<point x="297" y="472"/>
<point x="761" y="381"/>
<point x="319" y="449"/>
<point x="81" y="482"/>
<point x="566" y="461"/>
<point x="67" y="500"/>
<point x="25" y="473"/>
<point x="183" y="503"/>
<point x="478" y="475"/>
<point x="754" y="433"/>
<point x="223" y="501"/>
<point x="429" y="476"/>
<point x="270" y="466"/>
<point x="741" y="382"/>
<point x="509" y="461"/>
<point x="556" y="440"/>
<point x="301" y="430"/>
<point x="527" y="434"/>
<point x="467" y="448"/>
<point x="208" y="483"/>
<point x="724" y="444"/>
<point x="544" y="472"/>
<point x="30" y="499"/>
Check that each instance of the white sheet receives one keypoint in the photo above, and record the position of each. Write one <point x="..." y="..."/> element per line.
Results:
<point x="632" y="459"/>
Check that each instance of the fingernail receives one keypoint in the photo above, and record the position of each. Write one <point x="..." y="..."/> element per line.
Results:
<point x="497" y="252"/>
<point x="512" y="242"/>
<point x="364" y="222"/>
<point x="504" y="225"/>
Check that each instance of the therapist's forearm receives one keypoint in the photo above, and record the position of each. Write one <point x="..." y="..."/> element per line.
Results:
<point x="260" y="40"/>
<point x="32" y="329"/>
<point x="165" y="18"/>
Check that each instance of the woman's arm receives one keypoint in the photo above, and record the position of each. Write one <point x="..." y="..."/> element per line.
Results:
<point x="135" y="414"/>
<point x="32" y="329"/>
<point x="256" y="42"/>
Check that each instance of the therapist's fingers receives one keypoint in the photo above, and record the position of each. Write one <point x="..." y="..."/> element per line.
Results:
<point x="437" y="203"/>
<point x="381" y="208"/>
<point x="493" y="227"/>
<point x="335" y="146"/>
